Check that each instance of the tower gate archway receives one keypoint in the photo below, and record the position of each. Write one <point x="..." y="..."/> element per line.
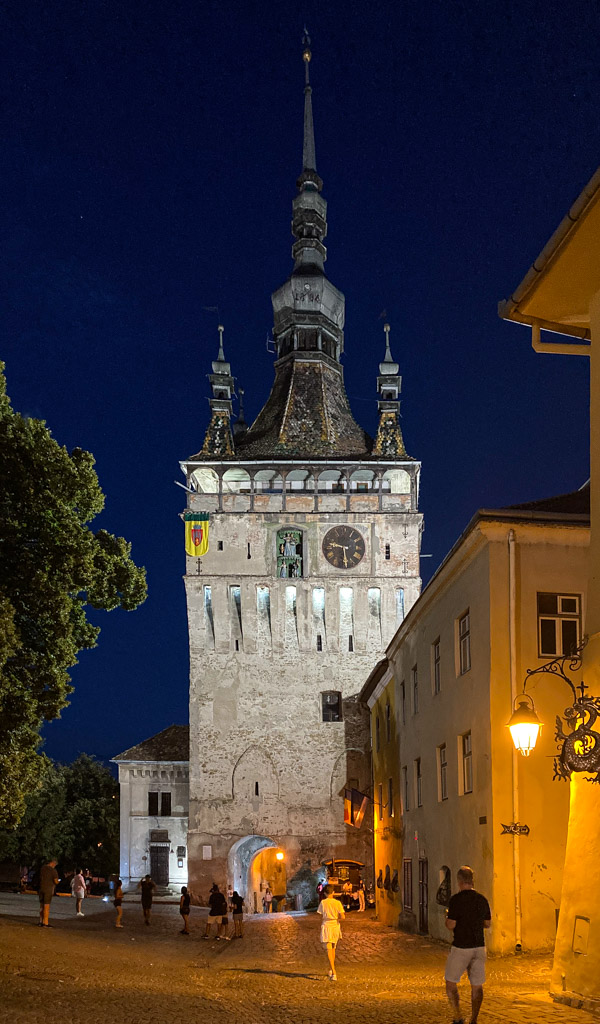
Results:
<point x="239" y="862"/>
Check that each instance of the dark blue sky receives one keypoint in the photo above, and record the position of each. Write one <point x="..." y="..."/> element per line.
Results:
<point x="148" y="165"/>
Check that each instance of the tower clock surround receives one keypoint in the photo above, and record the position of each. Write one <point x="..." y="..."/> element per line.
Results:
<point x="344" y="546"/>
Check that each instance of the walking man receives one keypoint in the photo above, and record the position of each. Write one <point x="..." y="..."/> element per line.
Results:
<point x="332" y="913"/>
<point x="468" y="915"/>
<point x="48" y="880"/>
<point x="148" y="888"/>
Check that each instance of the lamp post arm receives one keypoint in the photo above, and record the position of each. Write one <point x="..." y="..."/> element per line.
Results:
<point x="556" y="668"/>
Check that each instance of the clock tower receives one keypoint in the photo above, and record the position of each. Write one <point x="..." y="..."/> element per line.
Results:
<point x="313" y="561"/>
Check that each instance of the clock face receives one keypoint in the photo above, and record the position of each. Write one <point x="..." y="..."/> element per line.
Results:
<point x="343" y="547"/>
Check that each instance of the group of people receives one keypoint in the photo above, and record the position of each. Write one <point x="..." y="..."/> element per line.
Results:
<point x="468" y="917"/>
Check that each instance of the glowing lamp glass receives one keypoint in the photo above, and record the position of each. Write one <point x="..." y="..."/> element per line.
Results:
<point x="524" y="728"/>
<point x="279" y="855"/>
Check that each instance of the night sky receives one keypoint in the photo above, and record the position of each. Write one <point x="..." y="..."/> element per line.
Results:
<point x="149" y="159"/>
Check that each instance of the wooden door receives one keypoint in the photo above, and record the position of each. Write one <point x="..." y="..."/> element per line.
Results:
<point x="159" y="864"/>
<point x="423" y="897"/>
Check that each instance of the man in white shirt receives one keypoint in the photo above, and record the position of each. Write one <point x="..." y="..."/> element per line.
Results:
<point x="332" y="913"/>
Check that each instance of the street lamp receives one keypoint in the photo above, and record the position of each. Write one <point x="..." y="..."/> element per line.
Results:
<point x="279" y="855"/>
<point x="524" y="725"/>
<point x="579" y="745"/>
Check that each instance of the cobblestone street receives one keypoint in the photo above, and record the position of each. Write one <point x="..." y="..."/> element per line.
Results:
<point x="84" y="970"/>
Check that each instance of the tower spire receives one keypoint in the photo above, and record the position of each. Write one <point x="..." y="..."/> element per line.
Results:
<point x="389" y="442"/>
<point x="309" y="160"/>
<point x="218" y="440"/>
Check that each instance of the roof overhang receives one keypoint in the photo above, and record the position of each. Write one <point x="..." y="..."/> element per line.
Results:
<point x="556" y="292"/>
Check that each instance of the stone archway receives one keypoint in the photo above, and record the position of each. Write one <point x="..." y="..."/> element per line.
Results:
<point x="239" y="862"/>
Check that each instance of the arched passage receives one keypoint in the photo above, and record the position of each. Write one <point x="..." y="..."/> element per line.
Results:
<point x="240" y="859"/>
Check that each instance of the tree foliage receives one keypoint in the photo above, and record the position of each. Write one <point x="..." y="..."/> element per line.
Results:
<point x="51" y="566"/>
<point x="73" y="815"/>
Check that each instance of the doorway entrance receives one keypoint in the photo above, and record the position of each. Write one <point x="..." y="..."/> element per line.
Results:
<point x="159" y="864"/>
<point x="423" y="897"/>
<point x="251" y="867"/>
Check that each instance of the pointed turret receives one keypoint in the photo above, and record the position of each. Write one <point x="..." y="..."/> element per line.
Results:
<point x="240" y="426"/>
<point x="218" y="441"/>
<point x="389" y="442"/>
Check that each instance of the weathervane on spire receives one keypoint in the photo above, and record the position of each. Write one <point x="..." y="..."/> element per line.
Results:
<point x="221" y="355"/>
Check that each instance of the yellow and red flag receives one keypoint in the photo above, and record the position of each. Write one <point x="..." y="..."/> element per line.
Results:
<point x="196" y="533"/>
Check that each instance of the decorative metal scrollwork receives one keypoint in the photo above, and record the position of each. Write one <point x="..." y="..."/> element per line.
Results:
<point x="579" y="745"/>
<point x="515" y="829"/>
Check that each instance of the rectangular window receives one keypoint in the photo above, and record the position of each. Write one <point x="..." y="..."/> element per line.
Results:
<point x="405" y="789"/>
<point x="464" y="643"/>
<point x="152" y="804"/>
<point x="403" y="701"/>
<point x="165" y="805"/>
<point x="559" y="624"/>
<point x="350" y="643"/>
<point x="390" y="798"/>
<point x="467" y="763"/>
<point x="388" y="552"/>
<point x="443" y="772"/>
<point x="380" y="799"/>
<point x="415" y="689"/>
<point x="331" y="705"/>
<point x="388" y="722"/>
<point x="219" y="545"/>
<point x="346" y="605"/>
<point x="377" y="734"/>
<point x="249" y="554"/>
<point x="399" y="605"/>
<point x="319" y="642"/>
<point x="435" y="659"/>
<point x="208" y="613"/>
<point x="418" y="783"/>
<point x="407" y="885"/>
<point x="263" y="607"/>
<point x="235" y="597"/>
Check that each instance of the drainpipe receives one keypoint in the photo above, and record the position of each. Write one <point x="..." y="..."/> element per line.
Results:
<point x="512" y="629"/>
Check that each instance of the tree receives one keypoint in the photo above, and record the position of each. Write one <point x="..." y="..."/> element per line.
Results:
<point x="51" y="567"/>
<point x="73" y="816"/>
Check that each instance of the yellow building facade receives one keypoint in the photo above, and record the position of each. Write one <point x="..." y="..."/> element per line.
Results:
<point x="509" y="596"/>
<point x="560" y="294"/>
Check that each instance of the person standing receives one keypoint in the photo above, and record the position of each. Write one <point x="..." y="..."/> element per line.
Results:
<point x="361" y="896"/>
<point x="184" y="909"/>
<point x="217" y="910"/>
<point x="118" y="901"/>
<point x="468" y="915"/>
<point x="78" y="891"/>
<point x="48" y="881"/>
<point x="147" y="887"/>
<point x="237" y="906"/>
<point x="332" y="913"/>
<point x="268" y="900"/>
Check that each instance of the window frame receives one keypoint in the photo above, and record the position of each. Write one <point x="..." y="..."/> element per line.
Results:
<point x="403" y="701"/>
<point x="405" y="789"/>
<point x="165" y="802"/>
<point x="390" y="797"/>
<point x="442" y="763"/>
<point x="388" y="722"/>
<point x="464" y="642"/>
<point x="331" y="693"/>
<point x="557" y="618"/>
<point x="414" y="679"/>
<point x="436" y="673"/>
<point x="380" y="800"/>
<point x="466" y="762"/>
<point x="153" y="813"/>
<point x="418" y="782"/>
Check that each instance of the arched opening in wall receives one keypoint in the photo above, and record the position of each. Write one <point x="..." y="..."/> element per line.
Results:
<point x="331" y="481"/>
<point x="236" y="481"/>
<point x="205" y="480"/>
<point x="241" y="857"/>
<point x="363" y="480"/>
<point x="268" y="481"/>
<point x="299" y="480"/>
<point x="396" y="481"/>
<point x="267" y="875"/>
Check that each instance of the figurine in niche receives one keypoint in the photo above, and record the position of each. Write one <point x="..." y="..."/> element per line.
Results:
<point x="290" y="546"/>
<point x="283" y="571"/>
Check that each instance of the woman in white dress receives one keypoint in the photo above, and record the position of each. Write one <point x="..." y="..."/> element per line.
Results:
<point x="332" y="913"/>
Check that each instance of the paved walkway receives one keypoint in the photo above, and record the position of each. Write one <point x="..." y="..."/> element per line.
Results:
<point x="84" y="971"/>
